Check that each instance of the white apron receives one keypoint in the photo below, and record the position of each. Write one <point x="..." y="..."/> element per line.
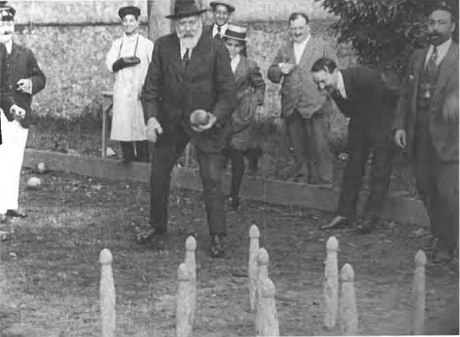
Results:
<point x="128" y="123"/>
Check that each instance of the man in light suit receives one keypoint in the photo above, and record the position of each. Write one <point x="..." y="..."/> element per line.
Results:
<point x="6" y="98"/>
<point x="305" y="109"/>
<point x="23" y="80"/>
<point x="426" y="127"/>
<point x="189" y="71"/>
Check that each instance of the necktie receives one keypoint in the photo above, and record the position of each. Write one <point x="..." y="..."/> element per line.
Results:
<point x="218" y="35"/>
<point x="431" y="64"/>
<point x="186" y="57"/>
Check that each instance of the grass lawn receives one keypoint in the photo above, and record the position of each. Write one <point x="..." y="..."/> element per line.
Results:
<point x="50" y="273"/>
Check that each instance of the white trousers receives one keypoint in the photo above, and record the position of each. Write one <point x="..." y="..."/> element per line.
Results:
<point x="11" y="156"/>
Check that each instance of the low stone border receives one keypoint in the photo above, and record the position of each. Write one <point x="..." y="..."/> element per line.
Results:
<point x="398" y="207"/>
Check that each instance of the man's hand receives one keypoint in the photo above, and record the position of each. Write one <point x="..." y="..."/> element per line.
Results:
<point x="286" y="68"/>
<point x="17" y="112"/>
<point x="25" y="85"/>
<point x="153" y="129"/>
<point x="204" y="127"/>
<point x="400" y="138"/>
<point x="450" y="108"/>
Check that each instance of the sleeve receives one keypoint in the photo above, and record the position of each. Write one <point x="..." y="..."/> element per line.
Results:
<point x="6" y="96"/>
<point x="257" y="82"/>
<point x="152" y="85"/>
<point x="226" y="100"/>
<point x="403" y="104"/>
<point x="274" y="72"/>
<point x="112" y="56"/>
<point x="36" y="75"/>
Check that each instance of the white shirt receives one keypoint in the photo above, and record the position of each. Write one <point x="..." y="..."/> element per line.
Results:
<point x="9" y="46"/>
<point x="441" y="49"/>
<point x="222" y="30"/>
<point x="183" y="50"/>
<point x="235" y="61"/>
<point x="299" y="48"/>
<point x="341" y="85"/>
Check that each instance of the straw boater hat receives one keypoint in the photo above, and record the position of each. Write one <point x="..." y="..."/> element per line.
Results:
<point x="184" y="9"/>
<point x="231" y="8"/>
<point x="236" y="33"/>
<point x="7" y="13"/>
<point x="133" y="10"/>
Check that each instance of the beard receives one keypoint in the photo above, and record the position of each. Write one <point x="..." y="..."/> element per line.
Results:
<point x="190" y="40"/>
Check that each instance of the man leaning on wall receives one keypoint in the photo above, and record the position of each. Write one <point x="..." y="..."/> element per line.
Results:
<point x="305" y="110"/>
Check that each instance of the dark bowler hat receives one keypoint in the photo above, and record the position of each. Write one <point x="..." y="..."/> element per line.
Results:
<point x="235" y="33"/>
<point x="7" y="13"/>
<point x="184" y="9"/>
<point x="127" y="10"/>
<point x="230" y="8"/>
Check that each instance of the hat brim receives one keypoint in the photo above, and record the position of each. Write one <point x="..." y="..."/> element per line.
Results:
<point x="185" y="15"/>
<point x="215" y="3"/>
<point x="235" y="38"/>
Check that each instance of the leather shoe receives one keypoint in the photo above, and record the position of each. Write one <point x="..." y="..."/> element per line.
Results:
<point x="217" y="248"/>
<point x="441" y="254"/>
<point x="150" y="235"/>
<point x="338" y="222"/>
<point x="366" y="226"/>
<point x="14" y="213"/>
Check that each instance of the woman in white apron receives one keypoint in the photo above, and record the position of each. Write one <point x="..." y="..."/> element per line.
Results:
<point x="129" y="58"/>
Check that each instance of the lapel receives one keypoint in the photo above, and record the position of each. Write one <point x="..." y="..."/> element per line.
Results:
<point x="288" y="56"/>
<point x="446" y="67"/>
<point x="174" y="54"/>
<point x="309" y="51"/>
<point x="347" y="83"/>
<point x="240" y="70"/>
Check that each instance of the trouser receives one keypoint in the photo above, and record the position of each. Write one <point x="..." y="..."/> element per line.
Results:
<point x="167" y="150"/>
<point x="238" y="168"/>
<point x="135" y="151"/>
<point x="437" y="185"/>
<point x="360" y="145"/>
<point x="11" y="157"/>
<point x="309" y="140"/>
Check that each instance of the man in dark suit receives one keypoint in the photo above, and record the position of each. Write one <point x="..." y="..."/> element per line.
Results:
<point x="189" y="71"/>
<point x="426" y="127"/>
<point x="361" y="94"/>
<point x="23" y="80"/>
<point x="305" y="110"/>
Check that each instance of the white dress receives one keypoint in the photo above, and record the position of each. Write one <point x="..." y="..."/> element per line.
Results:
<point x="128" y="122"/>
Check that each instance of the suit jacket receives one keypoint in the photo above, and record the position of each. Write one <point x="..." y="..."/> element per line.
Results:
<point x="6" y="97"/>
<point x="250" y="89"/>
<point x="370" y="103"/>
<point x="444" y="134"/>
<point x="21" y="64"/>
<point x="172" y="91"/>
<point x="298" y="90"/>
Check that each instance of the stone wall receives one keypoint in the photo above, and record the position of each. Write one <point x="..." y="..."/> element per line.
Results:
<point x="73" y="55"/>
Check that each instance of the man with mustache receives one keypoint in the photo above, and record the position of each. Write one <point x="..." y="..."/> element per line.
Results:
<point x="426" y="128"/>
<point x="23" y="80"/>
<point x="189" y="71"/>
<point x="305" y="110"/>
<point x="361" y="95"/>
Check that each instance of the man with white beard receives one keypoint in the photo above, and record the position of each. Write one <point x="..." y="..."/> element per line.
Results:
<point x="189" y="71"/>
<point x="23" y="79"/>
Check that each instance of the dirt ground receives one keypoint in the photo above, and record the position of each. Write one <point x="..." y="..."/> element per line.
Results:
<point x="50" y="271"/>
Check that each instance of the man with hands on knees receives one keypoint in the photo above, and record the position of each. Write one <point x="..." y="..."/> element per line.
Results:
<point x="188" y="95"/>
